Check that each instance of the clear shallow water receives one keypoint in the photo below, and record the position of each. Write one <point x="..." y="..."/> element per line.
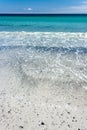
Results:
<point x="47" y="48"/>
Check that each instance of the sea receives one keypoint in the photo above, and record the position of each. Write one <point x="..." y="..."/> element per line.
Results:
<point x="40" y="50"/>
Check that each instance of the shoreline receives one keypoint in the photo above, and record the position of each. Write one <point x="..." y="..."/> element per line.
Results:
<point x="32" y="100"/>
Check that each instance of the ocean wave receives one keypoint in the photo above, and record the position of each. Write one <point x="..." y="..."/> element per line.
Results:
<point x="49" y="39"/>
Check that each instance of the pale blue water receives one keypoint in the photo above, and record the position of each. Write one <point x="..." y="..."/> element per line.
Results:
<point x="45" y="47"/>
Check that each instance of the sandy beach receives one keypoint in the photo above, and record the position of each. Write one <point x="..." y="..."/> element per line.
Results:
<point x="40" y="100"/>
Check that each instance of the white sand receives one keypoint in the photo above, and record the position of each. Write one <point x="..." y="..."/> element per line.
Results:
<point x="35" y="103"/>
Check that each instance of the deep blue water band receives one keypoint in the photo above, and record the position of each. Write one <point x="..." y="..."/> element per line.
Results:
<point x="79" y="50"/>
<point x="42" y="15"/>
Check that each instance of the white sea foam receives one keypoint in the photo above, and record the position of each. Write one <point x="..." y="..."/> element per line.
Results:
<point x="50" y="39"/>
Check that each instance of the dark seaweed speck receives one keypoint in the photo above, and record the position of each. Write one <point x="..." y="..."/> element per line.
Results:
<point x="21" y="127"/>
<point x="68" y="112"/>
<point x="68" y="125"/>
<point x="9" y="111"/>
<point x="42" y="123"/>
<point x="73" y="117"/>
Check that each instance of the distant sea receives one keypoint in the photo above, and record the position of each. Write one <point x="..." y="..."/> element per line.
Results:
<point x="53" y="47"/>
<point x="43" y="23"/>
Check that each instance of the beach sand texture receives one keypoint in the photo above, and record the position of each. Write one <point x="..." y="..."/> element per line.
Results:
<point x="42" y="91"/>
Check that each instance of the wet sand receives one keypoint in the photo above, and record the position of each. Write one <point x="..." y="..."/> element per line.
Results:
<point x="32" y="100"/>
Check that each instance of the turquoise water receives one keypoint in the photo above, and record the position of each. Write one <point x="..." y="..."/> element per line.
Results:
<point x="44" y="24"/>
<point x="49" y="48"/>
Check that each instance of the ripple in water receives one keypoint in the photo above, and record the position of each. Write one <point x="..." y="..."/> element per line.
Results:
<point x="60" y="57"/>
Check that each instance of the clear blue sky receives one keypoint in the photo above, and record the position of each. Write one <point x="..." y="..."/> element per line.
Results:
<point x="43" y="6"/>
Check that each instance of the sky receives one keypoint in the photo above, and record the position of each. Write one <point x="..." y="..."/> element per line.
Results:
<point x="43" y="6"/>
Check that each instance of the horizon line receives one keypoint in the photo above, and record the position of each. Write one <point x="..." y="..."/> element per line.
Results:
<point x="19" y="13"/>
